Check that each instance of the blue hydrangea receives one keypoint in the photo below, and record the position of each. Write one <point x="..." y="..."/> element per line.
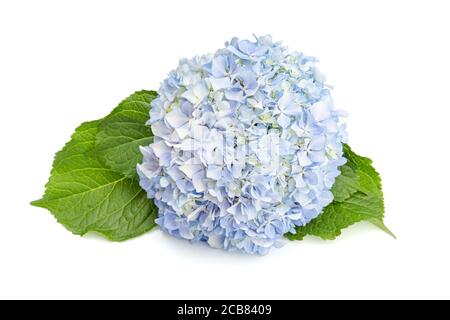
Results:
<point x="247" y="146"/>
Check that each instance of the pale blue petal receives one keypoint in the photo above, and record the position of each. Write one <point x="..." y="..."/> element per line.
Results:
<point x="176" y="118"/>
<point x="321" y="110"/>
<point x="283" y="120"/>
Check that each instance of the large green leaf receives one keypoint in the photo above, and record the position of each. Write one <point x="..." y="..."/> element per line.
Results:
<point x="357" y="197"/>
<point x="123" y="131"/>
<point x="85" y="195"/>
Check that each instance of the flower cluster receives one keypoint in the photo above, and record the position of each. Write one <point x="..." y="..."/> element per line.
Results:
<point x="247" y="146"/>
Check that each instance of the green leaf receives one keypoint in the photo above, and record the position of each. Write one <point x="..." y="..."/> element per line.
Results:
<point x="361" y="163"/>
<point x="123" y="131"/>
<point x="346" y="184"/>
<point x="358" y="197"/>
<point x="85" y="195"/>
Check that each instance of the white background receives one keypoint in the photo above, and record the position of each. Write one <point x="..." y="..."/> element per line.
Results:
<point x="65" y="62"/>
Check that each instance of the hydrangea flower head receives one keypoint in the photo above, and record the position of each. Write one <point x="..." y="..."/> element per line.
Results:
<point x="247" y="146"/>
